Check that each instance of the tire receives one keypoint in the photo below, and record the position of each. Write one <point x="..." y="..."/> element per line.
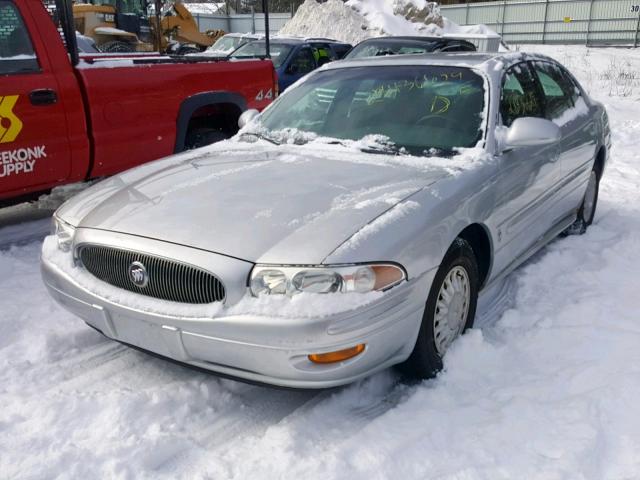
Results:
<point x="184" y="50"/>
<point x="587" y="210"/>
<point x="426" y="359"/>
<point x="116" y="46"/>
<point x="199" y="137"/>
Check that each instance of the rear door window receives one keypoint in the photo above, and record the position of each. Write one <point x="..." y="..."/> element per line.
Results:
<point x="16" y="50"/>
<point x="559" y="92"/>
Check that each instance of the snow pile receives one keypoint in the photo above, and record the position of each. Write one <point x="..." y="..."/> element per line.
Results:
<point x="357" y="20"/>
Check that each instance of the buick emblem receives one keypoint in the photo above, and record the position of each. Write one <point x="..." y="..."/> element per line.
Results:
<point x="138" y="274"/>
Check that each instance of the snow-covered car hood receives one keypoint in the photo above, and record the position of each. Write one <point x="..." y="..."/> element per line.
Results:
<point x="286" y="204"/>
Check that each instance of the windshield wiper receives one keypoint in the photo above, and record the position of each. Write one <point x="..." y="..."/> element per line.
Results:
<point x="382" y="150"/>
<point x="261" y="137"/>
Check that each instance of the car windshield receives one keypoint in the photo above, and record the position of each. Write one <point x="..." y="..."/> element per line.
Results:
<point x="226" y="44"/>
<point x="279" y="51"/>
<point x="415" y="108"/>
<point x="377" y="48"/>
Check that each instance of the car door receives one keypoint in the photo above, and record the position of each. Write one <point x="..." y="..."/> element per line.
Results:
<point x="301" y="63"/>
<point x="527" y="174"/>
<point x="34" y="144"/>
<point x="565" y="105"/>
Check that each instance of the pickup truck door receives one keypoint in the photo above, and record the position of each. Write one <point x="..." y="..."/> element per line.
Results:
<point x="34" y="144"/>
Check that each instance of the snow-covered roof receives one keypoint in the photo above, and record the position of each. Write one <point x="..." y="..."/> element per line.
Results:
<point x="213" y="8"/>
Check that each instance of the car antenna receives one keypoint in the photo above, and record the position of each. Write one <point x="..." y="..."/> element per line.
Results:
<point x="265" y="10"/>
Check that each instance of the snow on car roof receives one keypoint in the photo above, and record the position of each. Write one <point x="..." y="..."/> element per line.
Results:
<point x="492" y="61"/>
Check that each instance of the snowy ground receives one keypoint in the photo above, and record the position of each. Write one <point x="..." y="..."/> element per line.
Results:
<point x="546" y="386"/>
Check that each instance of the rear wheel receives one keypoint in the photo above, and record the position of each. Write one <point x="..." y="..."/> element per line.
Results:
<point x="116" y="47"/>
<point x="450" y="310"/>
<point x="588" y="208"/>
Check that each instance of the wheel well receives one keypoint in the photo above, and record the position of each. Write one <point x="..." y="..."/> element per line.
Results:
<point x="219" y="116"/>
<point x="599" y="163"/>
<point x="212" y="110"/>
<point x="480" y="243"/>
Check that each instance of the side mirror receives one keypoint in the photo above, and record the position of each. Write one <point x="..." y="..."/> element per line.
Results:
<point x="292" y="69"/>
<point x="531" y="132"/>
<point x="247" y="116"/>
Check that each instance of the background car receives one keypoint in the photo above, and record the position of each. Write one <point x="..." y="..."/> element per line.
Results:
<point x="226" y="44"/>
<point x="86" y="44"/>
<point x="335" y="50"/>
<point x="292" y="58"/>
<point x="380" y="46"/>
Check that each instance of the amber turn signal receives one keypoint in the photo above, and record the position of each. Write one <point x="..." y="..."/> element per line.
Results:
<point x="339" y="356"/>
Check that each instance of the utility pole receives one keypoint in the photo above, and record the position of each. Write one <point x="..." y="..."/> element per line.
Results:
<point x="265" y="10"/>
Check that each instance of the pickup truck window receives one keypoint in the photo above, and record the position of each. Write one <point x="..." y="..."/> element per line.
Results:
<point x="16" y="50"/>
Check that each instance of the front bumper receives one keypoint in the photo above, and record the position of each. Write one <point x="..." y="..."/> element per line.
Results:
<point x="257" y="348"/>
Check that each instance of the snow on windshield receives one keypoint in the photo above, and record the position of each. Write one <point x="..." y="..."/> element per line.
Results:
<point x="415" y="108"/>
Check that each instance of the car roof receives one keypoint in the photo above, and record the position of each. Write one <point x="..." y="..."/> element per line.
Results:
<point x="247" y="35"/>
<point x="284" y="40"/>
<point x="421" y="38"/>
<point x="491" y="61"/>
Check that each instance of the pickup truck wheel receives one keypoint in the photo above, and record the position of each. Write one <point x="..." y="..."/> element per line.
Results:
<point x="116" y="47"/>
<point x="199" y="137"/>
<point x="450" y="310"/>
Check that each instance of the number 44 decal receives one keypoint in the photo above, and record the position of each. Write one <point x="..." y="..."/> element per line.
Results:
<point x="261" y="95"/>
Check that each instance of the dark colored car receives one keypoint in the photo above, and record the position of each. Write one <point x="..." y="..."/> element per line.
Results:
<point x="293" y="58"/>
<point x="381" y="46"/>
<point x="336" y="50"/>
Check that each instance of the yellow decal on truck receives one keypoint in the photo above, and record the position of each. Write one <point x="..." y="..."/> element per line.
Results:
<point x="10" y="125"/>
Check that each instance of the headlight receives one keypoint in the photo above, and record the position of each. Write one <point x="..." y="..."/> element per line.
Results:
<point x="64" y="233"/>
<point x="281" y="280"/>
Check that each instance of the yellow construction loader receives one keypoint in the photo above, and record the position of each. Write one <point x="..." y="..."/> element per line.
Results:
<point x="132" y="26"/>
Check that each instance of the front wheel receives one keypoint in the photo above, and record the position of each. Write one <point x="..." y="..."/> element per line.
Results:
<point x="450" y="310"/>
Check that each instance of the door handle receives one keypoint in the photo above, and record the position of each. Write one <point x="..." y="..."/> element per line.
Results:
<point x="43" y="96"/>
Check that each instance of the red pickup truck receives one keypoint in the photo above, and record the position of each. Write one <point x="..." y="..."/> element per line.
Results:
<point x="65" y="118"/>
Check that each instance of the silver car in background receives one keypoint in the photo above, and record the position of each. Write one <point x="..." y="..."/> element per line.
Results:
<point x="348" y="228"/>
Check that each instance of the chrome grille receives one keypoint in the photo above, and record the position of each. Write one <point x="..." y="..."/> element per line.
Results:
<point x="167" y="279"/>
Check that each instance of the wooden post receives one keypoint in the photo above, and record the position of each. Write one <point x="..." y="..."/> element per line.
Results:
<point x="589" y="23"/>
<point x="635" y="39"/>
<point x="265" y="10"/>
<point x="544" y="24"/>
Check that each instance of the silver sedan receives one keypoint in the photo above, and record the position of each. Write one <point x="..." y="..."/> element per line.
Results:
<point x="348" y="228"/>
